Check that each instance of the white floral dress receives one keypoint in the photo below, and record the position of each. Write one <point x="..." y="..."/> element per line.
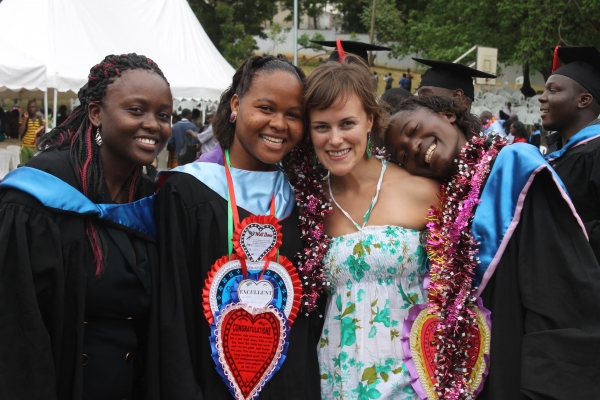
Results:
<point x="376" y="275"/>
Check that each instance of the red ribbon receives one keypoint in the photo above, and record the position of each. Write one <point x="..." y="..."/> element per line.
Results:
<point x="236" y="216"/>
<point x="555" y="60"/>
<point x="340" y="49"/>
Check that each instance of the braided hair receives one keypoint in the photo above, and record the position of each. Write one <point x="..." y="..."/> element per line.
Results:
<point x="76" y="133"/>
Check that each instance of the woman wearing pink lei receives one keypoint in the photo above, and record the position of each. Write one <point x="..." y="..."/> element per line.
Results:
<point x="374" y="261"/>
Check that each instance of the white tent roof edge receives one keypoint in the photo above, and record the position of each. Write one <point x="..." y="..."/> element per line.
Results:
<point x="80" y="33"/>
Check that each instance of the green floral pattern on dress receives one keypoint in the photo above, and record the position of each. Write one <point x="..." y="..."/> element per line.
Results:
<point x="376" y="276"/>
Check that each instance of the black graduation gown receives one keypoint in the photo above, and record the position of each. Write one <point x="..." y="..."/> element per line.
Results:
<point x="579" y="169"/>
<point x="192" y="232"/>
<point x="53" y="309"/>
<point x="545" y="302"/>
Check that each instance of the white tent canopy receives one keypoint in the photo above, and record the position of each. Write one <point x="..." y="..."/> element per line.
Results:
<point x="19" y="70"/>
<point x="71" y="36"/>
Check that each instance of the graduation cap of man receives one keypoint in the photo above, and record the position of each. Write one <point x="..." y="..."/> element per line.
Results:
<point x="348" y="46"/>
<point x="451" y="76"/>
<point x="580" y="63"/>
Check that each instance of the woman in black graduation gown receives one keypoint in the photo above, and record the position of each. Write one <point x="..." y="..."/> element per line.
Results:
<point x="259" y="121"/>
<point x="535" y="270"/>
<point x="75" y="291"/>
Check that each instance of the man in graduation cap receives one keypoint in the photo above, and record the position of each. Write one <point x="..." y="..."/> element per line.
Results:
<point x="570" y="106"/>
<point x="451" y="80"/>
<point x="348" y="46"/>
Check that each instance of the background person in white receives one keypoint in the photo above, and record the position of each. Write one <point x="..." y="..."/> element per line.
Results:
<point x="206" y="138"/>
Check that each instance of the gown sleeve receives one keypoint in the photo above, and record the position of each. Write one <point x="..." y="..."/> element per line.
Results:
<point x="31" y="280"/>
<point x="545" y="303"/>
<point x="593" y="226"/>
<point x="169" y="331"/>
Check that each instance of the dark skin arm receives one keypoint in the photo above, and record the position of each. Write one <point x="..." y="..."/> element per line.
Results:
<point x="23" y="125"/>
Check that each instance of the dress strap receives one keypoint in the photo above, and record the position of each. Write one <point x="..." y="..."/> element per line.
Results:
<point x="373" y="201"/>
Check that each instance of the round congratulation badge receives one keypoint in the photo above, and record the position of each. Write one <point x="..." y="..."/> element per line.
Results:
<point x="222" y="285"/>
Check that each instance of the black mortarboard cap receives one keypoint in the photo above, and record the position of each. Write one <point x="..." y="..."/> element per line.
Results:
<point x="357" y="48"/>
<point x="582" y="64"/>
<point x="451" y="76"/>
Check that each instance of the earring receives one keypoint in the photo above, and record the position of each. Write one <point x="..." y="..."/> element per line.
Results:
<point x="98" y="138"/>
<point x="369" y="145"/>
<point x="233" y="117"/>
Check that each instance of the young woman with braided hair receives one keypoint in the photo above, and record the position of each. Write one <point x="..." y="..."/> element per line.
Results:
<point x="204" y="207"/>
<point x="77" y="254"/>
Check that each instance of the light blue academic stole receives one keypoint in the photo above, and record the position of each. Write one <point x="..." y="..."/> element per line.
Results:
<point x="502" y="199"/>
<point x="583" y="136"/>
<point x="253" y="189"/>
<point x="55" y="193"/>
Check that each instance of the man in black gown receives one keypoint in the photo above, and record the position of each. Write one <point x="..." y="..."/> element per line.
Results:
<point x="570" y="105"/>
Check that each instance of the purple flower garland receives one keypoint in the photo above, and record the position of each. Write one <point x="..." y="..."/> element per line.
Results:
<point x="315" y="207"/>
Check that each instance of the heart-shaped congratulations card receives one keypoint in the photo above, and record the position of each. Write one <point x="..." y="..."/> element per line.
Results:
<point x="418" y="344"/>
<point x="249" y="346"/>
<point x="257" y="237"/>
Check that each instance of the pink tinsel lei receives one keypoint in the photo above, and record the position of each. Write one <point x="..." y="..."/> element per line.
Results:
<point x="452" y="252"/>
<point x="315" y="207"/>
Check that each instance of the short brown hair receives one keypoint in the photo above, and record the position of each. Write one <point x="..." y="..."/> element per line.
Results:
<point x="336" y="81"/>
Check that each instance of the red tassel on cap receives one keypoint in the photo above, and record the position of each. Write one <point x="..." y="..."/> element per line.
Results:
<point x="340" y="49"/>
<point x="556" y="60"/>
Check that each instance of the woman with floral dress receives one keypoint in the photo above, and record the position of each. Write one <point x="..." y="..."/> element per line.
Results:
<point x="375" y="266"/>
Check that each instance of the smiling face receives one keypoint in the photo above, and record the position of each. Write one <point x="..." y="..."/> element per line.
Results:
<point x="339" y="135"/>
<point x="134" y="118"/>
<point x="269" y="121"/>
<point x="425" y="143"/>
<point x="559" y="103"/>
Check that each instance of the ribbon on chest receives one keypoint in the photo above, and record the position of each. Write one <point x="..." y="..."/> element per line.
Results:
<point x="251" y="298"/>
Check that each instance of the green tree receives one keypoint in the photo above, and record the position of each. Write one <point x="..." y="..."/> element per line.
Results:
<point x="311" y="8"/>
<point x="277" y="35"/>
<point x="232" y="25"/>
<point x="350" y="12"/>
<point x="304" y="42"/>
<point x="524" y="31"/>
<point x="387" y="18"/>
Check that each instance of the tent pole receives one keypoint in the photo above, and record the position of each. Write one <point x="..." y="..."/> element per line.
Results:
<point x="54" y="107"/>
<point x="46" y="109"/>
<point x="296" y="32"/>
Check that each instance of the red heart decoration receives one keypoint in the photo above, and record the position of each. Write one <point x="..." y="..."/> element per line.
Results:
<point x="250" y="343"/>
<point x="418" y="343"/>
<point x="428" y="346"/>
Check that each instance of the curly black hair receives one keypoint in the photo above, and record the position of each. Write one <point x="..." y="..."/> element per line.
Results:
<point x="468" y="123"/>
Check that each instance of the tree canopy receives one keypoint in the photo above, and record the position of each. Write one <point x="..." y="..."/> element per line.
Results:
<point x="232" y="25"/>
<point x="524" y="31"/>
